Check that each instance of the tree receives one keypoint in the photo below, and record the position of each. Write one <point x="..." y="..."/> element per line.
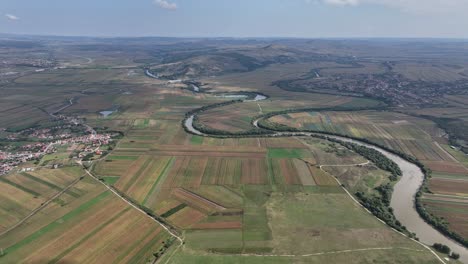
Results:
<point x="441" y="248"/>
<point x="455" y="255"/>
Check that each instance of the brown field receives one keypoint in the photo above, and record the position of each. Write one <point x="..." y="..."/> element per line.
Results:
<point x="222" y="171"/>
<point x="223" y="195"/>
<point x="447" y="167"/>
<point x="453" y="211"/>
<point x="181" y="175"/>
<point x="254" y="171"/>
<point x="24" y="192"/>
<point x="187" y="217"/>
<point x="218" y="225"/>
<point x="304" y="172"/>
<point x="197" y="201"/>
<point x="230" y="118"/>
<point x="135" y="170"/>
<point x="72" y="234"/>
<point x="166" y="205"/>
<point x="446" y="186"/>
<point x="289" y="171"/>
<point x="195" y="153"/>
<point x="142" y="185"/>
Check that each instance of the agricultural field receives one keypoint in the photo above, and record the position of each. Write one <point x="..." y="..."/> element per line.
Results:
<point x="230" y="199"/>
<point x="84" y="215"/>
<point x="237" y="118"/>
<point x="452" y="208"/>
<point x="205" y="187"/>
<point x="415" y="136"/>
<point x="316" y="216"/>
<point x="25" y="191"/>
<point x="226" y="194"/>
<point x="418" y="137"/>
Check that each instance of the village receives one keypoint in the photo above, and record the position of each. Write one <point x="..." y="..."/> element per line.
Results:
<point x="79" y="146"/>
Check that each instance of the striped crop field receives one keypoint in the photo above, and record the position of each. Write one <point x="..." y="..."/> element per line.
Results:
<point x="95" y="227"/>
<point x="405" y="133"/>
<point x="415" y="136"/>
<point x="24" y="192"/>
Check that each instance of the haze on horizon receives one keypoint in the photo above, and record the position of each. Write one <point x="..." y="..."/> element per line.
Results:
<point x="240" y="18"/>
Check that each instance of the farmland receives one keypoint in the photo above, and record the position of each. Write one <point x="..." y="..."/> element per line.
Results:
<point x="418" y="137"/>
<point x="226" y="193"/>
<point x="315" y="216"/>
<point x="230" y="199"/>
<point x="415" y="136"/>
<point x="84" y="215"/>
<point x="26" y="191"/>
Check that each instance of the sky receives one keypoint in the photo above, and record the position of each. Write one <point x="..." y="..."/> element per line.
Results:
<point x="237" y="18"/>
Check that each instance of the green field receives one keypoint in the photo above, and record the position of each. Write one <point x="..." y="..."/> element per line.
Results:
<point x="286" y="153"/>
<point x="243" y="199"/>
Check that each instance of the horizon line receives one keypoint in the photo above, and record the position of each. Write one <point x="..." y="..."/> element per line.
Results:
<point x="236" y="37"/>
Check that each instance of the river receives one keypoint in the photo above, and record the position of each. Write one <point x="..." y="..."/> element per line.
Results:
<point x="404" y="191"/>
<point x="403" y="198"/>
<point x="149" y="74"/>
<point x="403" y="203"/>
<point x="189" y="126"/>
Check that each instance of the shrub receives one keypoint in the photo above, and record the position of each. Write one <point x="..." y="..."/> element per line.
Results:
<point x="441" y="248"/>
<point x="455" y="255"/>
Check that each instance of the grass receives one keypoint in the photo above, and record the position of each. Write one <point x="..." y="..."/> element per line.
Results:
<point x="215" y="240"/>
<point x="111" y="180"/>
<point x="286" y="153"/>
<point x="322" y="219"/>
<point x="378" y="256"/>
<point x="327" y="222"/>
<point x="196" y="140"/>
<point x="50" y="157"/>
<point x="271" y="174"/>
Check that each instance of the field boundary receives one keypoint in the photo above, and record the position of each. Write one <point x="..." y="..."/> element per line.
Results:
<point x="132" y="205"/>
<point x="42" y="206"/>
<point x="284" y="132"/>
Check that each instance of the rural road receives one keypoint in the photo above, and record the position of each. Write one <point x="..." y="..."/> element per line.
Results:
<point x="131" y="204"/>
<point x="404" y="194"/>
<point x="42" y="206"/>
<point x="403" y="198"/>
<point x="345" y="165"/>
<point x="179" y="238"/>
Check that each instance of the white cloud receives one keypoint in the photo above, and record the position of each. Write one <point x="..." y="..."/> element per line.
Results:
<point x="11" y="17"/>
<point x="166" y="4"/>
<point x="342" y="2"/>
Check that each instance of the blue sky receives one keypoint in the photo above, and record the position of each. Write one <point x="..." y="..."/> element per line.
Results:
<point x="237" y="18"/>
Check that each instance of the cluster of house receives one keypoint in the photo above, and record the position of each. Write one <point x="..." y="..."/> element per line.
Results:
<point x="92" y="142"/>
<point x="9" y="161"/>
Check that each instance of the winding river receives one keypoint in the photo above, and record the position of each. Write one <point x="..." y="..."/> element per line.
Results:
<point x="403" y="198"/>
<point x="403" y="201"/>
